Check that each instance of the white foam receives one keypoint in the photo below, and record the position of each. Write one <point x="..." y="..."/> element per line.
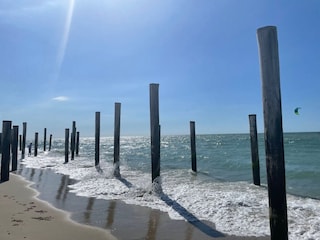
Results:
<point x="235" y="208"/>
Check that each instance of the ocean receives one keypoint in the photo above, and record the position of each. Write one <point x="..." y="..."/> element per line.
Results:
<point x="221" y="192"/>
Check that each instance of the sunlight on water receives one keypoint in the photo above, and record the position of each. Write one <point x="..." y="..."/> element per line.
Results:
<point x="221" y="192"/>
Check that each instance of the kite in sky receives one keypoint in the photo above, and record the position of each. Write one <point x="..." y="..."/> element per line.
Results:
<point x="296" y="110"/>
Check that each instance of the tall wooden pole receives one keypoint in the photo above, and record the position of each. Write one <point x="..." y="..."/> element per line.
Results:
<point x="193" y="146"/>
<point x="116" y="160"/>
<point x="254" y="149"/>
<point x="36" y="141"/>
<point x="5" y="156"/>
<point x="50" y="142"/>
<point x="155" y="130"/>
<point x="66" y="146"/>
<point x="44" y="139"/>
<point x="97" y="139"/>
<point x="24" y="136"/>
<point x="73" y="139"/>
<point x="0" y="142"/>
<point x="78" y="142"/>
<point x="270" y="75"/>
<point x="20" y="142"/>
<point x="15" y="135"/>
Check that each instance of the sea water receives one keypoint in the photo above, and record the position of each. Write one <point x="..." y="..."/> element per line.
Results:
<point x="221" y="192"/>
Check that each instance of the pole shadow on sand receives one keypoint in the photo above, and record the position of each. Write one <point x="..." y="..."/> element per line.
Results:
<point x="190" y="218"/>
<point x="183" y="212"/>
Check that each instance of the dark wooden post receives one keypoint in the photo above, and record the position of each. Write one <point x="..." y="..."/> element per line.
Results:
<point x="116" y="160"/>
<point x="254" y="149"/>
<point x="155" y="130"/>
<point x="36" y="141"/>
<point x="20" y="142"/>
<point x="0" y="142"/>
<point x="73" y="139"/>
<point x="77" y="145"/>
<point x="97" y="139"/>
<point x="193" y="146"/>
<point x="270" y="76"/>
<point x="5" y="156"/>
<point x="24" y="136"/>
<point x="66" y="146"/>
<point x="45" y="139"/>
<point x="15" y="135"/>
<point x="50" y="142"/>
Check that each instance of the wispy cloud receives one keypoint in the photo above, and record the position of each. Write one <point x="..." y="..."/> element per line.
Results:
<point x="60" y="99"/>
<point x="21" y="8"/>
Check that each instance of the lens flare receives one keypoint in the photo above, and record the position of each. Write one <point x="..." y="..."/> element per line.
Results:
<point x="65" y="36"/>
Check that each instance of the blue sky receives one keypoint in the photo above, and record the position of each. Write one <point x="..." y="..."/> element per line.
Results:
<point x="61" y="61"/>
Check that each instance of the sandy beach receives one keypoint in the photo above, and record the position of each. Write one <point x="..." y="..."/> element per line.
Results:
<point x="24" y="216"/>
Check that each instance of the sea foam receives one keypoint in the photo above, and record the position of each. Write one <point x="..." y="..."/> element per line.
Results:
<point x="237" y="208"/>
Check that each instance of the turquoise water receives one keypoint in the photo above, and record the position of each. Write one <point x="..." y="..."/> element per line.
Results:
<point x="225" y="157"/>
<point x="221" y="192"/>
<point x="228" y="158"/>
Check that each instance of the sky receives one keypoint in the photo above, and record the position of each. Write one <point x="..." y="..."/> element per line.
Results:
<point x="64" y="60"/>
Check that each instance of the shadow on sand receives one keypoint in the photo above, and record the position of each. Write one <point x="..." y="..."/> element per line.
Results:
<point x="190" y="218"/>
<point x="183" y="212"/>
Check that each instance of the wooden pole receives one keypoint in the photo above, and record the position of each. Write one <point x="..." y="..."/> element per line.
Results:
<point x="116" y="160"/>
<point x="97" y="139"/>
<point x="5" y="156"/>
<point x="254" y="149"/>
<point x="24" y="136"/>
<point x="66" y="146"/>
<point x="73" y="139"/>
<point x="270" y="76"/>
<point x="50" y="142"/>
<point x="45" y="139"/>
<point x="15" y="135"/>
<point x="193" y="146"/>
<point x="36" y="141"/>
<point x="155" y="130"/>
<point x="20" y="142"/>
<point x="77" y="145"/>
<point x="0" y="142"/>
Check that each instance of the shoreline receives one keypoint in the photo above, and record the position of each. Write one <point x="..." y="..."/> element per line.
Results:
<point x="124" y="221"/>
<point x="25" y="216"/>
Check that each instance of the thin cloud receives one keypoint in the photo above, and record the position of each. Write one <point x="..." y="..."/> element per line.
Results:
<point x="20" y="7"/>
<point x="60" y="99"/>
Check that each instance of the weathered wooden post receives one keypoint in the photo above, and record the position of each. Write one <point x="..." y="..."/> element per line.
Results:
<point x="155" y="130"/>
<point x="73" y="139"/>
<point x="193" y="146"/>
<point x="66" y="146"/>
<point x="20" y="142"/>
<point x="116" y="153"/>
<point x="77" y="145"/>
<point x="0" y="142"/>
<point x="5" y="156"/>
<point x="50" y="142"/>
<point x="97" y="139"/>
<point x="24" y="136"/>
<point x="254" y="149"/>
<point x="270" y="76"/>
<point x="36" y="141"/>
<point x="45" y="139"/>
<point x="15" y="135"/>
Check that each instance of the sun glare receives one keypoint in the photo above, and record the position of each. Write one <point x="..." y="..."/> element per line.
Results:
<point x="65" y="36"/>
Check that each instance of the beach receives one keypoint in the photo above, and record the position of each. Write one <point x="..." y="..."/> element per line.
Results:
<point x="29" y="214"/>
<point x="23" y="216"/>
<point x="218" y="202"/>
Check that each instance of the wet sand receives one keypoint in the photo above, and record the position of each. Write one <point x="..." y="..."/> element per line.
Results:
<point x="25" y="217"/>
<point x="124" y="221"/>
